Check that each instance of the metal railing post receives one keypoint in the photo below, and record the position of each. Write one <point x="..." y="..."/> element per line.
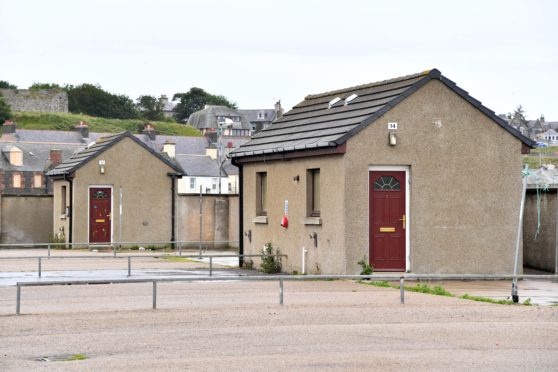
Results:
<point x="210" y="266"/>
<point x="114" y="248"/>
<point x="280" y="291"/>
<point x="40" y="269"/>
<point x="18" y="299"/>
<point x="154" y="295"/>
<point x="129" y="266"/>
<point x="49" y="251"/>
<point x="402" y="289"/>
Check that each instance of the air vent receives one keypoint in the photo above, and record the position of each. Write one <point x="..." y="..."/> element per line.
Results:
<point x="350" y="98"/>
<point x="333" y="102"/>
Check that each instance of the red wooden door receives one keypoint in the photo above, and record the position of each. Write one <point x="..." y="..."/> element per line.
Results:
<point x="387" y="220"/>
<point x="99" y="214"/>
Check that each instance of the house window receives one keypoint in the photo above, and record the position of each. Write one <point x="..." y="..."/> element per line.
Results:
<point x="16" y="181"/>
<point x="192" y="183"/>
<point x="313" y="192"/>
<point x="63" y="200"/>
<point x="214" y="184"/>
<point x="261" y="194"/>
<point x="37" y="181"/>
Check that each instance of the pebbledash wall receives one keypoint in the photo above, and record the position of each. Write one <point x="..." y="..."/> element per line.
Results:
<point x="51" y="100"/>
<point x="465" y="191"/>
<point x="540" y="246"/>
<point x="219" y="220"/>
<point x="25" y="219"/>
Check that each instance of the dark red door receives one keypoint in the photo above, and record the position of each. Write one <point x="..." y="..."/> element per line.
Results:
<point x="387" y="221"/>
<point x="99" y="214"/>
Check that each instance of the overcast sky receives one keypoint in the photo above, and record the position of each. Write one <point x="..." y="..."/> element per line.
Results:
<point x="504" y="53"/>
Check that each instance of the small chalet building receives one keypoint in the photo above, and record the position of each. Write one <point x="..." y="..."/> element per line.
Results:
<point x="116" y="173"/>
<point x="400" y="172"/>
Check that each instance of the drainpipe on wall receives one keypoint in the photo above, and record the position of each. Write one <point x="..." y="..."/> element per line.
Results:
<point x="173" y="177"/>
<point x="70" y="207"/>
<point x="240" y="216"/>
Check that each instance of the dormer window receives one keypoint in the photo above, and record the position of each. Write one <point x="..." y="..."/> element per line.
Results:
<point x="15" y="156"/>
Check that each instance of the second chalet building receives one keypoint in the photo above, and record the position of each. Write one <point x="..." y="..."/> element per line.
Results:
<point x="411" y="174"/>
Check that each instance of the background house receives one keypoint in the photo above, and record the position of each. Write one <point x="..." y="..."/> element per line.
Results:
<point x="101" y="194"/>
<point x="383" y="171"/>
<point x="27" y="191"/>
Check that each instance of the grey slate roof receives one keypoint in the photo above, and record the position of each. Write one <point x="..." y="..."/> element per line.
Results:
<point x="80" y="159"/>
<point x="199" y="165"/>
<point x="36" y="156"/>
<point x="53" y="136"/>
<point x="229" y="168"/>
<point x="184" y="145"/>
<point x="252" y="115"/>
<point x="312" y="124"/>
<point x="207" y="118"/>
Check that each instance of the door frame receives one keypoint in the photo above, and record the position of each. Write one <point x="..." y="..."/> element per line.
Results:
<point x="407" y="170"/>
<point x="89" y="187"/>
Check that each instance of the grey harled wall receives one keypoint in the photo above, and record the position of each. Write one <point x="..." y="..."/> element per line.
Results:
<point x="539" y="252"/>
<point x="36" y="100"/>
<point x="26" y="219"/>
<point x="219" y="219"/>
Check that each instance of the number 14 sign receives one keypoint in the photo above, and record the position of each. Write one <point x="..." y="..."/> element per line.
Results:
<point x="392" y="126"/>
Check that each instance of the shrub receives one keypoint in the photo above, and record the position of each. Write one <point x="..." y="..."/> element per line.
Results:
<point x="271" y="262"/>
<point x="367" y="269"/>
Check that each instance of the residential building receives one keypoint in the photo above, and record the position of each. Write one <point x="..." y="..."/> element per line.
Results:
<point x="398" y="173"/>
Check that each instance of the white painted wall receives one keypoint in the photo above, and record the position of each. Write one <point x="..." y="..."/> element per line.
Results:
<point x="209" y="185"/>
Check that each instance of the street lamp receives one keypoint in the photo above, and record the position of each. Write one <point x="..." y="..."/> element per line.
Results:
<point x="227" y="123"/>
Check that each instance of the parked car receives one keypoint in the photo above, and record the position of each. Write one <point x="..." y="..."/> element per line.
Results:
<point x="541" y="144"/>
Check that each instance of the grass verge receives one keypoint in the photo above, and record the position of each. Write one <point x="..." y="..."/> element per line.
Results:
<point x="440" y="291"/>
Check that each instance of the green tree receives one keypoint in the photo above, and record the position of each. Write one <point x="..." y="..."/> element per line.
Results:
<point x="195" y="100"/>
<point x="5" y="85"/>
<point x="151" y="108"/>
<point x="45" y="86"/>
<point x="93" y="100"/>
<point x="517" y="118"/>
<point x="5" y="110"/>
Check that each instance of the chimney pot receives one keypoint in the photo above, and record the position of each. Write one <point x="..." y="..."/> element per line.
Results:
<point x="9" y="127"/>
<point x="83" y="129"/>
<point x="55" y="157"/>
<point x="149" y="131"/>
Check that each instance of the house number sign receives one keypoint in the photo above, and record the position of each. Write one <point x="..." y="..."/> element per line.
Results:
<point x="392" y="126"/>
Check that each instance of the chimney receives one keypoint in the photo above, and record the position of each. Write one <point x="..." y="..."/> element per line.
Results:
<point x="83" y="129"/>
<point x="170" y="148"/>
<point x="55" y="157"/>
<point x="164" y="99"/>
<point x="278" y="110"/>
<point x="9" y="127"/>
<point x="149" y="131"/>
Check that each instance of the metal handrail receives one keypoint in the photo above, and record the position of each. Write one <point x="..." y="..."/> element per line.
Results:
<point x="281" y="278"/>
<point x="114" y="245"/>
<point x="129" y="257"/>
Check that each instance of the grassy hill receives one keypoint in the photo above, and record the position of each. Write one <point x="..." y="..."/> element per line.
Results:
<point x="61" y="121"/>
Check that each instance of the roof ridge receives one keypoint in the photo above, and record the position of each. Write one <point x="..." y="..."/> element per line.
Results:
<point x="370" y="85"/>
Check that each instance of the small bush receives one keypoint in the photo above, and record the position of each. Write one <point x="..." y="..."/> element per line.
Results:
<point x="367" y="269"/>
<point x="248" y="264"/>
<point x="271" y="262"/>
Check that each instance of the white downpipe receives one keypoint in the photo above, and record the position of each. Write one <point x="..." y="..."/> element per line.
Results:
<point x="304" y="251"/>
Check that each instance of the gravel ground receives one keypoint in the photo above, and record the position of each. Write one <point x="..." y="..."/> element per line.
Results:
<point x="326" y="325"/>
